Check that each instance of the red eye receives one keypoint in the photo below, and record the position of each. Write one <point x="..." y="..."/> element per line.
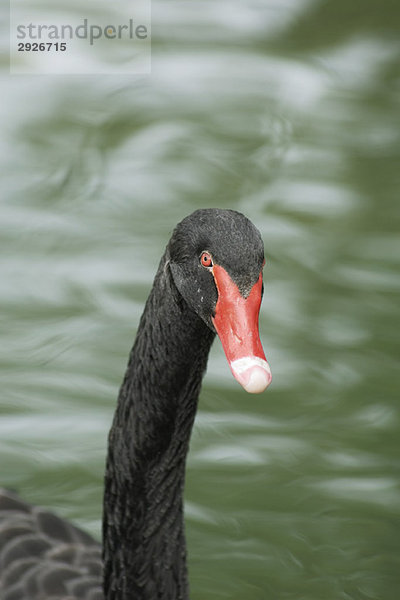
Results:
<point x="206" y="260"/>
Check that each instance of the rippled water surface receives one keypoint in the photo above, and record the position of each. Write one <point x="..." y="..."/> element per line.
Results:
<point x="289" y="112"/>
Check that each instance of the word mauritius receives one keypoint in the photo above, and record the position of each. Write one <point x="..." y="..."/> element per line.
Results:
<point x="84" y="31"/>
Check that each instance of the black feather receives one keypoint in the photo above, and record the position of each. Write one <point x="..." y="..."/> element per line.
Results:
<point x="144" y="557"/>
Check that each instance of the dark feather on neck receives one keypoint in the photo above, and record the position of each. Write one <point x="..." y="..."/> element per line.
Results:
<point x="143" y="530"/>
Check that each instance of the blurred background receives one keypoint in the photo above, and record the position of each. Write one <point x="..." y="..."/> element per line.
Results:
<point x="289" y="112"/>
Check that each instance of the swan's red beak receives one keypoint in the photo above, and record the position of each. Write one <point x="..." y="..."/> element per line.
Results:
<point x="236" y="322"/>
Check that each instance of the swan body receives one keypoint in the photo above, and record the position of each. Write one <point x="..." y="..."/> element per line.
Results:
<point x="45" y="557"/>
<point x="209" y="282"/>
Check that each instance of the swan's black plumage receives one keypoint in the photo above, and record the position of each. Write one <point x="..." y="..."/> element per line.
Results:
<point x="144" y="556"/>
<point x="43" y="557"/>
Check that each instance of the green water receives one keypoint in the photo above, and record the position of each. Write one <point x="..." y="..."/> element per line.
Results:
<point x="289" y="112"/>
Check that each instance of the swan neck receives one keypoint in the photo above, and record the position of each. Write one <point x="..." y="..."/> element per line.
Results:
<point x="143" y="530"/>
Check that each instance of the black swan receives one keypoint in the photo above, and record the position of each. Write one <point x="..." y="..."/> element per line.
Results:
<point x="209" y="282"/>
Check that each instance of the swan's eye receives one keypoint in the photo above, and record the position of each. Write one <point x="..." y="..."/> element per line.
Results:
<point x="206" y="260"/>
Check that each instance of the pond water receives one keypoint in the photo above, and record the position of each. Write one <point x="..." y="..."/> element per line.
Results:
<point x="288" y="112"/>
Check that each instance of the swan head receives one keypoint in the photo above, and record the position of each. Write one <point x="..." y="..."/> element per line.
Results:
<point x="216" y="259"/>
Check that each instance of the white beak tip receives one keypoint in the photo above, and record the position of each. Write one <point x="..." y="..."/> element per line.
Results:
<point x="253" y="373"/>
<point x="258" y="381"/>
